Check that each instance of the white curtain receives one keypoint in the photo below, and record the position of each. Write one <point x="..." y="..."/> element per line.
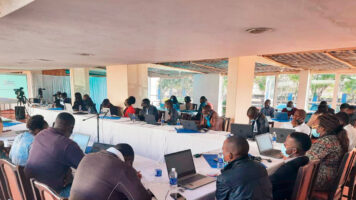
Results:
<point x="52" y="84"/>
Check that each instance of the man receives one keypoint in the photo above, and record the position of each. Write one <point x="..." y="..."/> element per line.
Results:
<point x="289" y="109"/>
<point x="330" y="110"/>
<point x="351" y="110"/>
<point x="344" y="107"/>
<point x="268" y="110"/>
<point x="241" y="178"/>
<point x="298" y="122"/>
<point x="109" y="175"/>
<point x="258" y="121"/>
<point x="53" y="154"/>
<point x="351" y="131"/>
<point x="294" y="149"/>
<point x="148" y="109"/>
<point x="203" y="102"/>
<point x="210" y="119"/>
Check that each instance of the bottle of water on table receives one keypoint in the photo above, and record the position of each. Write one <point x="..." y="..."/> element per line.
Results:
<point x="173" y="178"/>
<point x="220" y="163"/>
<point x="274" y="138"/>
<point x="162" y="120"/>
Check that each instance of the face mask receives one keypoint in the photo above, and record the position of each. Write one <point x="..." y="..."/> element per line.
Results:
<point x="289" y="108"/>
<point x="315" y="133"/>
<point x="284" y="151"/>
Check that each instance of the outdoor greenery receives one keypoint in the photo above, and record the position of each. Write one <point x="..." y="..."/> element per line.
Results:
<point x="348" y="86"/>
<point x="320" y="83"/>
<point x="176" y="86"/>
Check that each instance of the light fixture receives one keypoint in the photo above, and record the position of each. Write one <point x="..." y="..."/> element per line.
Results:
<point x="258" y="30"/>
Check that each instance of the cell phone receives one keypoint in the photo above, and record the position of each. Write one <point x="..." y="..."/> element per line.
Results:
<point x="177" y="196"/>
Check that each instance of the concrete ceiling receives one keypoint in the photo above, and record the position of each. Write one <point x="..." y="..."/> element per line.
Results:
<point x="71" y="33"/>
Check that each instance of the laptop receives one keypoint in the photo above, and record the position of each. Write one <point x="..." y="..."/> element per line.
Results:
<point x="151" y="119"/>
<point x="242" y="130"/>
<point x="106" y="111"/>
<point x="68" y="107"/>
<point x="191" y="125"/>
<point x="265" y="146"/>
<point x="282" y="133"/>
<point x="183" y="163"/>
<point x="100" y="146"/>
<point x="282" y="116"/>
<point x="82" y="140"/>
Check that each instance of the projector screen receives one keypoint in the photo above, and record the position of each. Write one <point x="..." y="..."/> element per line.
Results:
<point x="10" y="82"/>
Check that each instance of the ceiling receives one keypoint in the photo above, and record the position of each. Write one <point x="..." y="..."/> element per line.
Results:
<point x="68" y="33"/>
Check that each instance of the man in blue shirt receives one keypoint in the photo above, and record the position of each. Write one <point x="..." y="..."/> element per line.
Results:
<point x="268" y="110"/>
<point x="21" y="147"/>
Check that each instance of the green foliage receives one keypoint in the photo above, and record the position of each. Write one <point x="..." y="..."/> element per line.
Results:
<point x="261" y="82"/>
<point x="175" y="86"/>
<point x="348" y="85"/>
<point x="318" y="88"/>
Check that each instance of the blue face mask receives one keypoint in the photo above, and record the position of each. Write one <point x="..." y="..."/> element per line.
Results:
<point x="289" y="108"/>
<point x="315" y="133"/>
<point x="207" y="121"/>
<point x="284" y="151"/>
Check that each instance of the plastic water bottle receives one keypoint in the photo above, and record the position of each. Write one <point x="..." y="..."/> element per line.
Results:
<point x="178" y="122"/>
<point x="133" y="118"/>
<point x="80" y="108"/>
<point x="162" y="120"/>
<point x="274" y="137"/>
<point x="220" y="164"/>
<point x="173" y="178"/>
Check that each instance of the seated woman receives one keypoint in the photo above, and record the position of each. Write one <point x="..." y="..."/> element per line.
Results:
<point x="175" y="102"/>
<point x="129" y="108"/>
<point x="293" y="150"/>
<point x="290" y="109"/>
<point x="21" y="147"/>
<point x="322" y="109"/>
<point x="89" y="104"/>
<point x="188" y="103"/>
<point x="329" y="148"/>
<point x="78" y="103"/>
<point x="258" y="121"/>
<point x="172" y="113"/>
<point x="114" y="110"/>
<point x="209" y="119"/>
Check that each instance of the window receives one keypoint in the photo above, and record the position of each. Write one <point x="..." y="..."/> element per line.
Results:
<point x="287" y="89"/>
<point x="263" y="88"/>
<point x="347" y="89"/>
<point x="321" y="89"/>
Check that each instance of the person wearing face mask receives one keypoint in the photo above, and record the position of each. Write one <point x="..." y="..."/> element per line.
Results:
<point x="242" y="178"/>
<point x="258" y="121"/>
<point x="293" y="150"/>
<point x="322" y="109"/>
<point x="268" y="110"/>
<point x="298" y="122"/>
<point x="290" y="109"/>
<point x="329" y="148"/>
<point x="209" y="119"/>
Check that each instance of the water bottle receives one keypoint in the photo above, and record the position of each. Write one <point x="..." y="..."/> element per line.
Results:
<point x="274" y="137"/>
<point x="80" y="108"/>
<point x="133" y="118"/>
<point x="173" y="177"/>
<point x="178" y="122"/>
<point x="162" y="120"/>
<point x="220" y="164"/>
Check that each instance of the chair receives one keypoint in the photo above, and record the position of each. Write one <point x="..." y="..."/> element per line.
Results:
<point x="343" y="175"/>
<point x="195" y="106"/>
<point x="43" y="192"/>
<point x="25" y="183"/>
<point x="226" y="124"/>
<point x="13" y="186"/>
<point x="186" y="116"/>
<point x="4" y="194"/>
<point x="305" y="181"/>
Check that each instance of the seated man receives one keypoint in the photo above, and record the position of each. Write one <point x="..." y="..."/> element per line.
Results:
<point x="344" y="107"/>
<point x="109" y="175"/>
<point x="284" y="178"/>
<point x="172" y="113"/>
<point x="65" y="98"/>
<point x="20" y="149"/>
<point x="53" y="154"/>
<point x="242" y="178"/>
<point x="209" y="119"/>
<point x="148" y="109"/>
<point x="268" y="110"/>
<point x="298" y="123"/>
<point x="290" y="109"/>
<point x="258" y="121"/>
<point x="114" y="110"/>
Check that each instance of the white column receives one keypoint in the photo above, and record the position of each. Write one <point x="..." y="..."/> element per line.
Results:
<point x="336" y="90"/>
<point x="239" y="90"/>
<point x="79" y="81"/>
<point x="32" y="79"/>
<point x="275" y="94"/>
<point x="208" y="85"/>
<point x="303" y="89"/>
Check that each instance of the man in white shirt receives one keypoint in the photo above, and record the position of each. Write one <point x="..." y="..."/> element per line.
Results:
<point x="351" y="132"/>
<point x="298" y="122"/>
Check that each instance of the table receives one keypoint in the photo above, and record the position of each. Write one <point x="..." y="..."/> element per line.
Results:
<point x="9" y="137"/>
<point x="150" y="141"/>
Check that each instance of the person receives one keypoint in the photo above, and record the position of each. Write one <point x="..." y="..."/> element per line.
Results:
<point x="242" y="178"/>
<point x="298" y="122"/>
<point x="258" y="121"/>
<point x="351" y="132"/>
<point x="78" y="103"/>
<point x="267" y="110"/>
<point x="343" y="118"/>
<point x="188" y="103"/>
<point x="114" y="110"/>
<point x="210" y="119"/>
<point x="322" y="109"/>
<point x="1" y="125"/>
<point x="65" y="98"/>
<point x="172" y="113"/>
<point x="112" y="176"/>
<point x="175" y="102"/>
<point x="351" y="110"/>
<point x="344" y="107"/>
<point x="148" y="109"/>
<point x="53" y="154"/>
<point x="203" y="102"/>
<point x="129" y="108"/>
<point x="329" y="148"/>
<point x="294" y="149"/>
<point x="57" y="100"/>
<point x="21" y="146"/>
<point x="290" y="109"/>
<point x="330" y="110"/>
<point x="89" y="104"/>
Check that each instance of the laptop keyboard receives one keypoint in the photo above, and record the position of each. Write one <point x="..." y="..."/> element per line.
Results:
<point x="191" y="179"/>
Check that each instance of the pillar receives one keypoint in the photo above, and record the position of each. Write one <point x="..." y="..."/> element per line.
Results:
<point x="127" y="80"/>
<point x="79" y="81"/>
<point x="303" y="89"/>
<point x="239" y="89"/>
<point x="34" y="79"/>
<point x="336" y="91"/>
<point x="275" y="94"/>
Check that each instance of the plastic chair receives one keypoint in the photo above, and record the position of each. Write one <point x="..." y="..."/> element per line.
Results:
<point x="25" y="183"/>
<point x="4" y="194"/>
<point x="43" y="192"/>
<point x="305" y="181"/>
<point x="13" y="186"/>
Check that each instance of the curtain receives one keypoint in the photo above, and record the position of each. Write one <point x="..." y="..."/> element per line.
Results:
<point x="98" y="90"/>
<point x="52" y="84"/>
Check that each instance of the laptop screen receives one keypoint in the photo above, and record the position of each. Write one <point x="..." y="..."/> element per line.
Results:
<point x="264" y="142"/>
<point x="81" y="140"/>
<point x="182" y="161"/>
<point x="243" y="130"/>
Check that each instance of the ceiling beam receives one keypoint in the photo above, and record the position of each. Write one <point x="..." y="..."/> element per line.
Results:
<point x="312" y="51"/>
<point x="339" y="60"/>
<point x="269" y="61"/>
<point x="167" y="67"/>
<point x="209" y="67"/>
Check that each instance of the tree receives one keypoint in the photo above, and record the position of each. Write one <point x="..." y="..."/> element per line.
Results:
<point x="348" y="85"/>
<point x="319" y="85"/>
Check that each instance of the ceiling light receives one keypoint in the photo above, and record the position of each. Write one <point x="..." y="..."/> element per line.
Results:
<point x="258" y="30"/>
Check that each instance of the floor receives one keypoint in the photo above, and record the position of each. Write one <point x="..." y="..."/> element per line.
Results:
<point x="10" y="114"/>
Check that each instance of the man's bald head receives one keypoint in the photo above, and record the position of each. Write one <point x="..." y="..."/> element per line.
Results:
<point x="65" y="123"/>
<point x="235" y="147"/>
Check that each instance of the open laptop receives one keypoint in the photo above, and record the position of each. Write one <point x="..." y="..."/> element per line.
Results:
<point x="151" y="119"/>
<point x="243" y="130"/>
<point x="82" y="140"/>
<point x="282" y="116"/>
<point x="183" y="163"/>
<point x="265" y="146"/>
<point x="68" y="107"/>
<point x="106" y="111"/>
<point x="191" y="125"/>
<point x="282" y="133"/>
<point x="100" y="146"/>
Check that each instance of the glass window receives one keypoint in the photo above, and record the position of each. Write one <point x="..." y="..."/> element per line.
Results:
<point x="263" y="88"/>
<point x="287" y="89"/>
<point x="347" y="89"/>
<point x="321" y="89"/>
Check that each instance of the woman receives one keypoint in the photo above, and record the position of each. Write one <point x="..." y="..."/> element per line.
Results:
<point x="209" y="119"/>
<point x="172" y="113"/>
<point x="188" y="105"/>
<point x="175" y="102"/>
<point x="89" y="104"/>
<point x="329" y="149"/>
<point x="21" y="147"/>
<point x="258" y="121"/>
<point x="129" y="108"/>
<point x="113" y="109"/>
<point x="322" y="109"/>
<point x="78" y="103"/>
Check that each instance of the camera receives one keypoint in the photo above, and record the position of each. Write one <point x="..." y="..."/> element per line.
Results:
<point x="20" y="95"/>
